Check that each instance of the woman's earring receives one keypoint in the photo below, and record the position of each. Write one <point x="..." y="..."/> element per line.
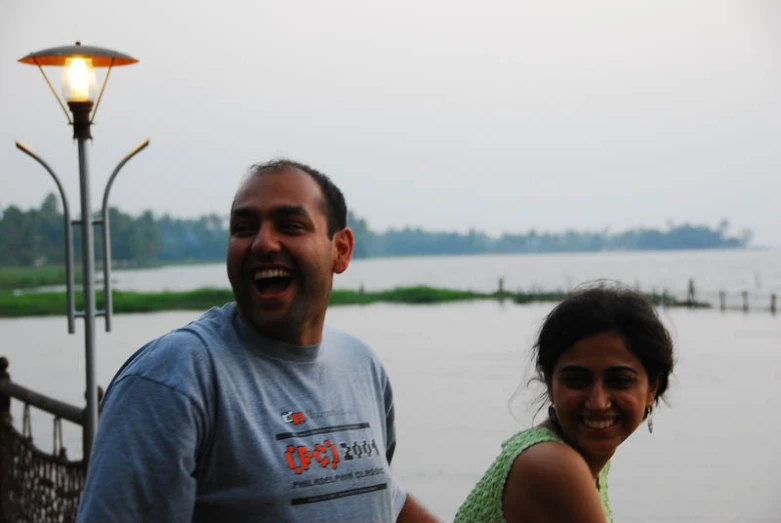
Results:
<point x="552" y="414"/>
<point x="649" y="419"/>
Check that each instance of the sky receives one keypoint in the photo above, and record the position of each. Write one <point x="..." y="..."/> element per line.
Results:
<point x="450" y="115"/>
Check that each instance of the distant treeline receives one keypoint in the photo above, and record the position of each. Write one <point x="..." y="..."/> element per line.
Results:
<point x="416" y="241"/>
<point x="36" y="237"/>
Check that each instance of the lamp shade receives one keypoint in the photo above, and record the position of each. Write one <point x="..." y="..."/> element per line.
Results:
<point x="59" y="55"/>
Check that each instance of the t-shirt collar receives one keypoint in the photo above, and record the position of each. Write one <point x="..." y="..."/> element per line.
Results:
<point x="272" y="347"/>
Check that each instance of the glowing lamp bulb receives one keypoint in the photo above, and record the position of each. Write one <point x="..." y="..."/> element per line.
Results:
<point x="78" y="80"/>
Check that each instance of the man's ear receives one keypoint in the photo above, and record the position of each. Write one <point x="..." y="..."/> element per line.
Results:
<point x="343" y="243"/>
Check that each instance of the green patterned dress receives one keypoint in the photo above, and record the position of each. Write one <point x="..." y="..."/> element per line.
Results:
<point x="484" y="503"/>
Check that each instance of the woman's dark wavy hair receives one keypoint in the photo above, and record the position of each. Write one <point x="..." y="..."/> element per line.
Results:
<point x="599" y="308"/>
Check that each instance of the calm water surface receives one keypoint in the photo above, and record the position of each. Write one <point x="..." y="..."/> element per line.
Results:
<point x="714" y="455"/>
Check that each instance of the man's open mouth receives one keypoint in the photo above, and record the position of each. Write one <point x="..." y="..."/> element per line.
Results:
<point x="271" y="281"/>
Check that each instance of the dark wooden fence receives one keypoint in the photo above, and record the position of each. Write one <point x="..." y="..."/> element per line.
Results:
<point x="743" y="300"/>
<point x="692" y="297"/>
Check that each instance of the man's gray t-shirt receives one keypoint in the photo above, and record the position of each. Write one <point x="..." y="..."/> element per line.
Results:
<point x="213" y="422"/>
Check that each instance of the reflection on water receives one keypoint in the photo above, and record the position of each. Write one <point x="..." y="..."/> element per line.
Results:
<point x="714" y="454"/>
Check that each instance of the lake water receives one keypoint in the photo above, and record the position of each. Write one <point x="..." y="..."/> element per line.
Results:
<point x="714" y="455"/>
<point x="732" y="271"/>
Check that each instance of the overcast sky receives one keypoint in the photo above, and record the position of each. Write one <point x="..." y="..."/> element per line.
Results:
<point x="445" y="114"/>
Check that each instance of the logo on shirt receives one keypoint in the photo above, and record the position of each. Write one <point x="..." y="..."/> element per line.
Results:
<point x="300" y="458"/>
<point x="296" y="418"/>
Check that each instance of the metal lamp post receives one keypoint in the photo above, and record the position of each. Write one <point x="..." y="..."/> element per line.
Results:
<point x="79" y="88"/>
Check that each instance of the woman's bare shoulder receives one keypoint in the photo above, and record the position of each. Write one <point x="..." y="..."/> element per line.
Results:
<point x="551" y="481"/>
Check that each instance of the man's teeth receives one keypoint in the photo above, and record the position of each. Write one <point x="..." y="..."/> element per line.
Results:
<point x="598" y="424"/>
<point x="272" y="273"/>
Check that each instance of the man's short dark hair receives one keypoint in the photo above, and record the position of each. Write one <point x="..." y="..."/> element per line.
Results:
<point x="334" y="206"/>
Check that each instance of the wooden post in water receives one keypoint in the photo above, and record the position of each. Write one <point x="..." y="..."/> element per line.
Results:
<point x="773" y="304"/>
<point x="722" y="301"/>
<point x="745" y="301"/>
<point x="5" y="401"/>
<point x="690" y="295"/>
<point x="6" y="453"/>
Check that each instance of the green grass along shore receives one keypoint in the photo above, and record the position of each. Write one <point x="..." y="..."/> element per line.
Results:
<point x="12" y="278"/>
<point x="53" y="303"/>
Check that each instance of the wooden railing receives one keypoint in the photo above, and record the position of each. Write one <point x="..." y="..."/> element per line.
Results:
<point x="9" y="389"/>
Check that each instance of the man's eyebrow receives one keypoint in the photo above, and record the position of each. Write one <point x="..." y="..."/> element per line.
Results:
<point x="289" y="210"/>
<point x="242" y="212"/>
<point x="277" y="212"/>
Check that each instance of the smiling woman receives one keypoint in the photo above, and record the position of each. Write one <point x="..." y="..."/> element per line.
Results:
<point x="605" y="358"/>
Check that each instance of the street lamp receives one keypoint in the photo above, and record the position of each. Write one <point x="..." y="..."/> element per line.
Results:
<point x="79" y="87"/>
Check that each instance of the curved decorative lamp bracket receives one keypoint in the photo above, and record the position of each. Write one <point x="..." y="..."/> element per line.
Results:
<point x="79" y="87"/>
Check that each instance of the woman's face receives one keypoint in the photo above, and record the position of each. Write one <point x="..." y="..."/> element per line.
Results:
<point x="600" y="391"/>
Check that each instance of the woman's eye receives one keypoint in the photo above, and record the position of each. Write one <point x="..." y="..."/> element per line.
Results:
<point x="574" y="381"/>
<point x="621" y="381"/>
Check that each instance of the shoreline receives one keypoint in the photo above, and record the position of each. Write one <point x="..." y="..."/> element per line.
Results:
<point x="14" y="305"/>
<point x="22" y="279"/>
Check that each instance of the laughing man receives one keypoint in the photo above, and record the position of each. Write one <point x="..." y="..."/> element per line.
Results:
<point x="257" y="411"/>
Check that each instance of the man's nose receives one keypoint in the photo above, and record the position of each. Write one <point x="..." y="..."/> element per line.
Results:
<point x="598" y="398"/>
<point x="266" y="240"/>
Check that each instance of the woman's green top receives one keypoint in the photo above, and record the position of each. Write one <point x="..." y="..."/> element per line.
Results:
<point x="484" y="503"/>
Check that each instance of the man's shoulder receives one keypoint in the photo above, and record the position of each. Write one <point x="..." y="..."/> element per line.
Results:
<point x="335" y="337"/>
<point x="351" y="351"/>
<point x="180" y="353"/>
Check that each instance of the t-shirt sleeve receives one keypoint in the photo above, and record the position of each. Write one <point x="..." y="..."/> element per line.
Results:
<point x="399" y="494"/>
<point x="144" y="457"/>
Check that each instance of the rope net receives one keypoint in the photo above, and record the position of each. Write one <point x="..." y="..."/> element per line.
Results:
<point x="36" y="486"/>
